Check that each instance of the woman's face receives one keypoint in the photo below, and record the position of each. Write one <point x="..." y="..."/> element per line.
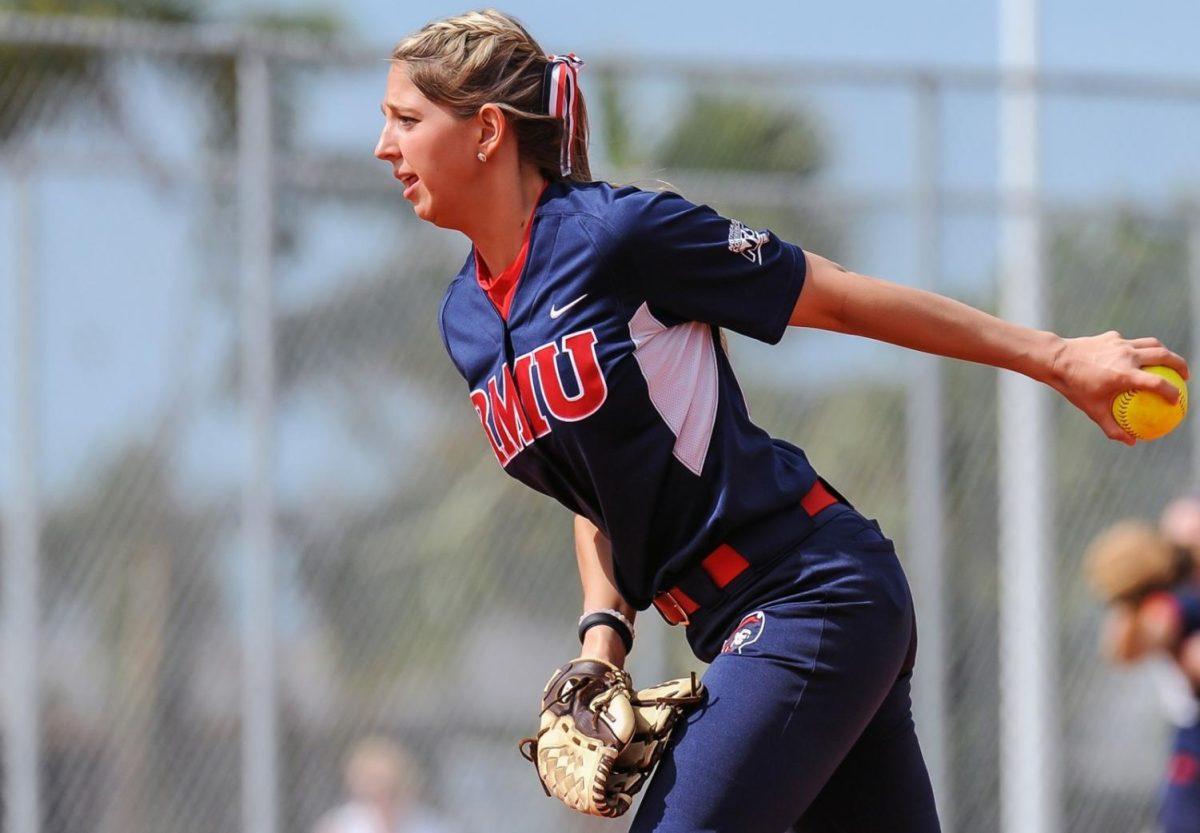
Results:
<point x="431" y="151"/>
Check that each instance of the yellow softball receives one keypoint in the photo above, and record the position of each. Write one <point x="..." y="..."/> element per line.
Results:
<point x="1147" y="415"/>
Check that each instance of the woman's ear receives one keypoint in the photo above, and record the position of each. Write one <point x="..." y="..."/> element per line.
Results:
<point x="493" y="126"/>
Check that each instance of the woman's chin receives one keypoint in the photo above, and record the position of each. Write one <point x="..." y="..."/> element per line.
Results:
<point x="421" y="209"/>
<point x="426" y="212"/>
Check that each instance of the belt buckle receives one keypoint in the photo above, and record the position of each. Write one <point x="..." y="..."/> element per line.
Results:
<point x="683" y="617"/>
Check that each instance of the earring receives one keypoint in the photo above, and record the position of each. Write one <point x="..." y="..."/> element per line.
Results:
<point x="481" y="156"/>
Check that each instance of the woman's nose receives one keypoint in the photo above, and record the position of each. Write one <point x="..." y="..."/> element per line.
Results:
<point x="387" y="148"/>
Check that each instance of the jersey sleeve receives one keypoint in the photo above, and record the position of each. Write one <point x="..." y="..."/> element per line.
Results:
<point x="697" y="265"/>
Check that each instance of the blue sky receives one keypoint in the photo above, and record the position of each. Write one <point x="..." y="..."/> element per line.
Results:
<point x="1150" y="36"/>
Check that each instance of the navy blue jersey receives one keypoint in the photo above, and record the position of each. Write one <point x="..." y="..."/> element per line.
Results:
<point x="607" y="388"/>
<point x="1185" y="596"/>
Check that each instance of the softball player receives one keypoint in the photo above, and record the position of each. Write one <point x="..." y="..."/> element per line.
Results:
<point x="1168" y="621"/>
<point x="585" y="321"/>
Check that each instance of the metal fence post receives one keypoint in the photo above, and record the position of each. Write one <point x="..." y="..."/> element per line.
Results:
<point x="926" y="509"/>
<point x="22" y="530"/>
<point x="259" y="717"/>
<point x="1029" y="775"/>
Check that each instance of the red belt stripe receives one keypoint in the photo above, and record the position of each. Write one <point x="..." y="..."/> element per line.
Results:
<point x="724" y="564"/>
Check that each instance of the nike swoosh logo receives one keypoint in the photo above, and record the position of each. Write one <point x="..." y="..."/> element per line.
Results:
<point x="556" y="312"/>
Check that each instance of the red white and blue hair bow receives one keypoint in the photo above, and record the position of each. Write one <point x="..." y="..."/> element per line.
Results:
<point x="559" y="94"/>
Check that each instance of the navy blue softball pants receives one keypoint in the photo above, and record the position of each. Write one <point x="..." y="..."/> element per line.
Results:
<point x="807" y="725"/>
<point x="1180" y="811"/>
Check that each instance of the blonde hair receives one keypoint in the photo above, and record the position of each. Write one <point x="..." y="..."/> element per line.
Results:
<point x="487" y="57"/>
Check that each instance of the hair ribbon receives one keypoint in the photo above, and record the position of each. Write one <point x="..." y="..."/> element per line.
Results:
<point x="559" y="95"/>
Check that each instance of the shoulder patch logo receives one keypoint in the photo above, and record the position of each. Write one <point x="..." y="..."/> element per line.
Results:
<point x="746" y="242"/>
<point x="747" y="631"/>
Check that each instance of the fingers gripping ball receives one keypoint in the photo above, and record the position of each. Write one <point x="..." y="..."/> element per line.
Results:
<point x="1146" y="415"/>
<point x="1129" y="560"/>
<point x="597" y="741"/>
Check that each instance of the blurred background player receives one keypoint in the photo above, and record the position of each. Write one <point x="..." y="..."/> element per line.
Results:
<point x="382" y="782"/>
<point x="1151" y="582"/>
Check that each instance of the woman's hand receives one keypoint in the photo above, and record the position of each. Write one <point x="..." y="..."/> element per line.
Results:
<point x="1091" y="371"/>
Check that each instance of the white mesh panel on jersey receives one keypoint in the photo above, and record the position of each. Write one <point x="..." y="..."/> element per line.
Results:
<point x="680" y="367"/>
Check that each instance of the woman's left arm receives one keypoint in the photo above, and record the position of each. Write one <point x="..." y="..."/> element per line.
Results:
<point x="1088" y="371"/>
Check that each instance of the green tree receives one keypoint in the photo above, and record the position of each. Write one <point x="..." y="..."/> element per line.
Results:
<point x="727" y="133"/>
<point x="40" y="85"/>
<point x="766" y="142"/>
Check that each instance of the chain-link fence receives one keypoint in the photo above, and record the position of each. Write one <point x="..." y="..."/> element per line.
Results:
<point x="191" y="465"/>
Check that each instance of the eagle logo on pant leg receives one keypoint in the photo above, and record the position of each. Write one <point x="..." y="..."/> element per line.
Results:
<point x="747" y="631"/>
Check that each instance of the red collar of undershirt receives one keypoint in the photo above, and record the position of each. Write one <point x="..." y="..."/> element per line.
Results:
<point x="501" y="288"/>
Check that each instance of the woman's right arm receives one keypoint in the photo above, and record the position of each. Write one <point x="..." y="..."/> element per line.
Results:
<point x="1133" y="630"/>
<point x="1089" y="371"/>
<point x="1119" y="642"/>
<point x="593" y="552"/>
